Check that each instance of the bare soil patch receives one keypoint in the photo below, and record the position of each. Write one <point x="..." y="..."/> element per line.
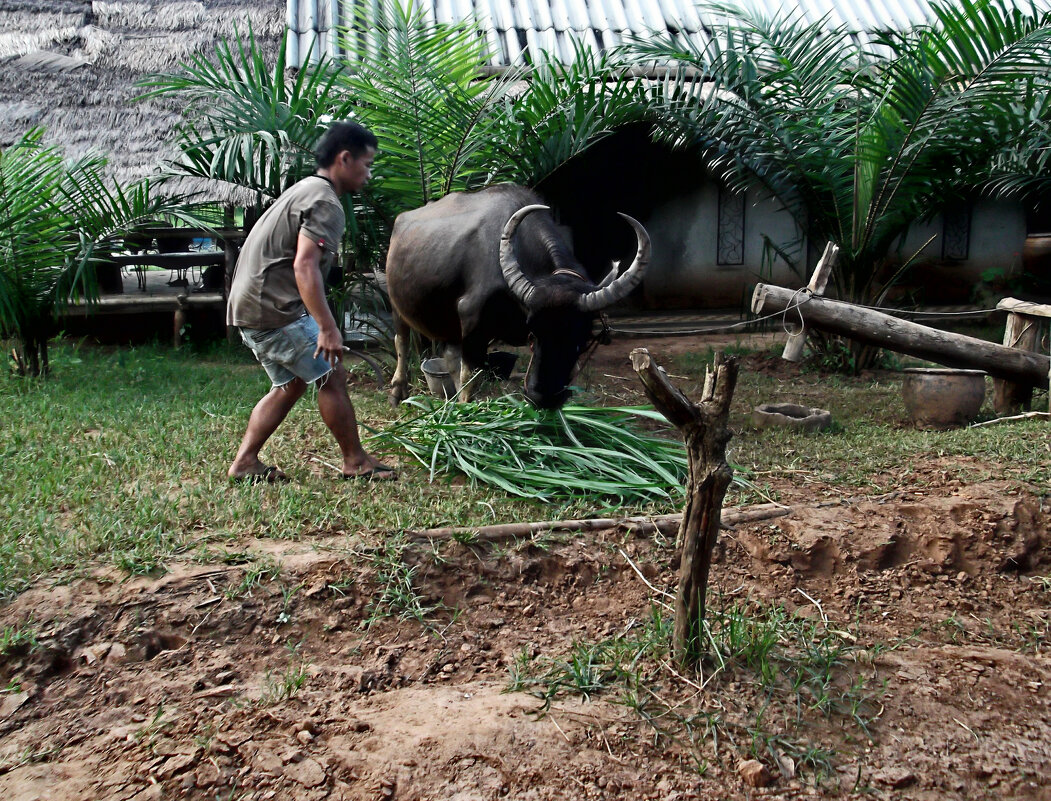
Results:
<point x="201" y="684"/>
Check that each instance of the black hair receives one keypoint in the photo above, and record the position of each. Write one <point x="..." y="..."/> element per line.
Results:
<point x="342" y="136"/>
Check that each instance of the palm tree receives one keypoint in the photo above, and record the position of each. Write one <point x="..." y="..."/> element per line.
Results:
<point x="56" y="219"/>
<point x="445" y="122"/>
<point x="447" y="128"/>
<point x="858" y="140"/>
<point x="256" y="124"/>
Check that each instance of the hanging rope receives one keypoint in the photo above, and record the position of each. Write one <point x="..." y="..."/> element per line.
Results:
<point x="794" y="306"/>
<point x="712" y="330"/>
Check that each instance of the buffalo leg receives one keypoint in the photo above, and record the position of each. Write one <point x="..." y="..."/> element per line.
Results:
<point x="453" y="358"/>
<point x="399" y="383"/>
<point x="472" y="355"/>
<point x="472" y="360"/>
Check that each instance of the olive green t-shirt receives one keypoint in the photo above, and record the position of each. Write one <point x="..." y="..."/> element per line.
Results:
<point x="263" y="293"/>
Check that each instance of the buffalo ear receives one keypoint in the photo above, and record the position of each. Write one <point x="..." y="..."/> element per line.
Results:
<point x="610" y="276"/>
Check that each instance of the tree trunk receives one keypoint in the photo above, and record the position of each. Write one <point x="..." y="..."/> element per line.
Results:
<point x="705" y="430"/>
<point x="875" y="328"/>
<point x="31" y="357"/>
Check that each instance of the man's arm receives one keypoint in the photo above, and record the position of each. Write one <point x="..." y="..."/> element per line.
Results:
<point x="307" y="266"/>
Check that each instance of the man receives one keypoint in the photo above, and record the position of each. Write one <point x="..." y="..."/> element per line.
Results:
<point x="277" y="299"/>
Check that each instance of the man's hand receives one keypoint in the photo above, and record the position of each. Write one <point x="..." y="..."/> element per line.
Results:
<point x="330" y="345"/>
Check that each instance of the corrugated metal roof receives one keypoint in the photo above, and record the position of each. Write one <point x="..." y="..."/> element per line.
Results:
<point x="519" y="30"/>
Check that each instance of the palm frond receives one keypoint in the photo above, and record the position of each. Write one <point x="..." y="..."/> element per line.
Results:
<point x="250" y="124"/>
<point x="418" y="84"/>
<point x="566" y="108"/>
<point x="31" y="231"/>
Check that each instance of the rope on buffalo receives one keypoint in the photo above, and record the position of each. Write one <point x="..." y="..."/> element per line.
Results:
<point x="601" y="338"/>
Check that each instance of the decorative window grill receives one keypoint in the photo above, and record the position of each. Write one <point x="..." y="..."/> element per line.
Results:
<point x="956" y="233"/>
<point x="730" y="244"/>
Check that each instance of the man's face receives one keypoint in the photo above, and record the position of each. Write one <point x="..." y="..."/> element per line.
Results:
<point x="354" y="173"/>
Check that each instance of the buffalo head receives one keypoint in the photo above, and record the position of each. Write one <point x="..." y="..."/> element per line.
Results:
<point x="560" y="309"/>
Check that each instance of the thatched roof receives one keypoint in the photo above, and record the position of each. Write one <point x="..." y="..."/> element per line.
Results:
<point x="73" y="65"/>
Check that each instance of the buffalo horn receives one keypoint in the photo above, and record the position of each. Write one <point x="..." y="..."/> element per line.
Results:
<point x="521" y="287"/>
<point x="626" y="281"/>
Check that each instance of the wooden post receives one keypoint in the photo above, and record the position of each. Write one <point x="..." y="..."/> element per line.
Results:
<point x="1022" y="331"/>
<point x="230" y="252"/>
<point x="705" y="430"/>
<point x="179" y="320"/>
<point x="793" y="351"/>
<point x="885" y="331"/>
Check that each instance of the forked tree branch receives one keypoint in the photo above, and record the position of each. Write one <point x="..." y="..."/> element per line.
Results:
<point x="705" y="430"/>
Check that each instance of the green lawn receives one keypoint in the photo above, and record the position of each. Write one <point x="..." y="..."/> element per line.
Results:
<point x="120" y="458"/>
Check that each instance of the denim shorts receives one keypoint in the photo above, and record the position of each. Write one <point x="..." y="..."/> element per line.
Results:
<point x="287" y="353"/>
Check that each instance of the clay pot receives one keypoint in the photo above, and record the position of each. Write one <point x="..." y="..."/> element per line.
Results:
<point x="791" y="415"/>
<point x="940" y="397"/>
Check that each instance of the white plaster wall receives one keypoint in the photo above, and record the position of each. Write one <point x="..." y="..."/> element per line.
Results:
<point x="684" y="272"/>
<point x="996" y="243"/>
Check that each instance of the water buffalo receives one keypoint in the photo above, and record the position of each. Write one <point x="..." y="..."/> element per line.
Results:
<point x="458" y="274"/>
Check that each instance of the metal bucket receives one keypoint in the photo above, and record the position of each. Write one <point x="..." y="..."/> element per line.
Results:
<point x="500" y="363"/>
<point x="439" y="382"/>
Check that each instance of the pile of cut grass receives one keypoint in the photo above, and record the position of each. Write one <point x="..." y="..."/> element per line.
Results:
<point x="573" y="452"/>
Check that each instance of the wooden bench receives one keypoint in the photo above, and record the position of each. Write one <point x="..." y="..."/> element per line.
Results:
<point x="179" y="305"/>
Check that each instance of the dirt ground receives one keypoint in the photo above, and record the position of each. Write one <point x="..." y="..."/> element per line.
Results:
<point x="193" y="685"/>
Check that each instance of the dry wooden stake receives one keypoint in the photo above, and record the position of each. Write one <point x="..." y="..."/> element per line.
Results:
<point x="665" y="524"/>
<point x="705" y="430"/>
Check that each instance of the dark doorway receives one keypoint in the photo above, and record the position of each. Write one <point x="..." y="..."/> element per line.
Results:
<point x="625" y="172"/>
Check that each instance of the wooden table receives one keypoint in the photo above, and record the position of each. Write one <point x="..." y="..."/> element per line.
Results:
<point x="180" y="263"/>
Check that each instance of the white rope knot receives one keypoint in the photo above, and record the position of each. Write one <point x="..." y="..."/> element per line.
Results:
<point x="794" y="305"/>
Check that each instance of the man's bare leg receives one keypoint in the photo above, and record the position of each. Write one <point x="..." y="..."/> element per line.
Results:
<point x="338" y="413"/>
<point x="267" y="415"/>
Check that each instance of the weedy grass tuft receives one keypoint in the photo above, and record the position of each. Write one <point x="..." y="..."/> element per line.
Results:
<point x="398" y="595"/>
<point x="154" y="728"/>
<point x="770" y="678"/>
<point x="256" y="574"/>
<point x="18" y="638"/>
<point x="280" y="687"/>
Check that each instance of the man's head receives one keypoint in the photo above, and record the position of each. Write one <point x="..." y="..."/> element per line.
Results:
<point x="345" y="154"/>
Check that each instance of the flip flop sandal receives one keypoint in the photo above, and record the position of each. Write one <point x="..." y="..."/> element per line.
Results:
<point x="269" y="475"/>
<point x="373" y="474"/>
